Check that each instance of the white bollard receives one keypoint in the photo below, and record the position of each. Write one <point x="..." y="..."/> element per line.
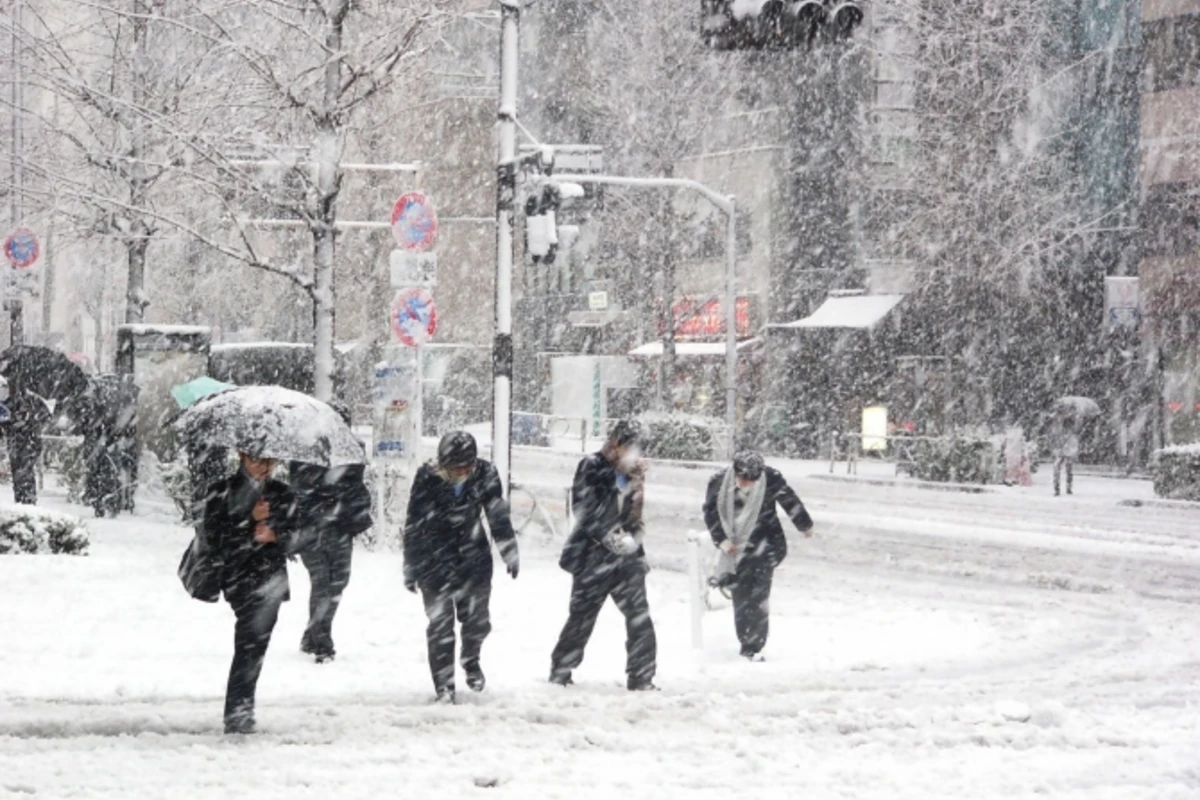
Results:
<point x="697" y="588"/>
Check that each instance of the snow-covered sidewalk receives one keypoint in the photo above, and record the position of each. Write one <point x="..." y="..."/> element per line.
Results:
<point x="903" y="663"/>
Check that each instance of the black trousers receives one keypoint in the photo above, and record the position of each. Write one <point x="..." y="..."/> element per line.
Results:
<point x="468" y="604"/>
<point x="328" y="565"/>
<point x="23" y="455"/>
<point x="751" y="604"/>
<point x="256" y="612"/>
<point x="625" y="582"/>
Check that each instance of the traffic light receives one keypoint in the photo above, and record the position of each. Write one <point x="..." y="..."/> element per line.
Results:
<point x="777" y="24"/>
<point x="541" y="224"/>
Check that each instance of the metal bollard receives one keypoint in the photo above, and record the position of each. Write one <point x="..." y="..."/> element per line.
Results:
<point x="698" y="588"/>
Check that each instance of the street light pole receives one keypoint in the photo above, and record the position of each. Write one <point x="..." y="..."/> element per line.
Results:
<point x="506" y="192"/>
<point x="728" y="206"/>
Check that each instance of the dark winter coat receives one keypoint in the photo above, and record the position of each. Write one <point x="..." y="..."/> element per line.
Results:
<point x="228" y="528"/>
<point x="445" y="544"/>
<point x="331" y="501"/>
<point x="598" y="508"/>
<point x="767" y="541"/>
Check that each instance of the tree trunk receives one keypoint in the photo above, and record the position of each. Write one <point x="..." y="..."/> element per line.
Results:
<point x="138" y="239"/>
<point x="325" y="230"/>
<point x="666" y="367"/>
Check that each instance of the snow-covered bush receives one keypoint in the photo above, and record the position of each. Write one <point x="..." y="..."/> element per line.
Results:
<point x="682" y="437"/>
<point x="954" y="460"/>
<point x="1177" y="472"/>
<point x="26" y="529"/>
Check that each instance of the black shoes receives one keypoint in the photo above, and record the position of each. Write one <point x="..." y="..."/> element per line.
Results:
<point x="475" y="679"/>
<point x="322" y="656"/>
<point x="446" y="696"/>
<point x="561" y="678"/>
<point x="754" y="657"/>
<point x="642" y="686"/>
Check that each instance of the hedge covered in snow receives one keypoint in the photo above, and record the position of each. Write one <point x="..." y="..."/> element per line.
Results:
<point x="28" y="529"/>
<point x="1177" y="472"/>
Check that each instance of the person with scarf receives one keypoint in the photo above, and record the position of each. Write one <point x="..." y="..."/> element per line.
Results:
<point x="249" y="521"/>
<point x="739" y="510"/>
<point x="605" y="558"/>
<point x="448" y="557"/>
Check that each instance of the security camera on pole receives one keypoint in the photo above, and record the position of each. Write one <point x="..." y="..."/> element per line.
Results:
<point x="412" y="318"/>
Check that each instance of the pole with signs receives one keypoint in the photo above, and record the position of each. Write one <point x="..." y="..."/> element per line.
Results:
<point x="506" y="194"/>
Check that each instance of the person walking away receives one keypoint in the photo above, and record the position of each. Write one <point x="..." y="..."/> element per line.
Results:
<point x="333" y="506"/>
<point x="1064" y="442"/>
<point x="740" y="512"/>
<point x="605" y="557"/>
<point x="29" y="414"/>
<point x="448" y="558"/>
<point x="250" y="519"/>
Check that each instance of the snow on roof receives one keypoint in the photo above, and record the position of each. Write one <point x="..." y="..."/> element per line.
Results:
<point x="220" y="348"/>
<point x="143" y="329"/>
<point x="653" y="349"/>
<point x="747" y="8"/>
<point x="855" y="311"/>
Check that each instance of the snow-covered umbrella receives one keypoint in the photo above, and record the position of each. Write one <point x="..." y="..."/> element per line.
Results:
<point x="272" y="422"/>
<point x="1078" y="406"/>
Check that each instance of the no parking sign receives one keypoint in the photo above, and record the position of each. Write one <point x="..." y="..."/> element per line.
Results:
<point x="413" y="316"/>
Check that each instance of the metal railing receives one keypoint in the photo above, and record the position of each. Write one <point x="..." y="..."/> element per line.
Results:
<point x="898" y="449"/>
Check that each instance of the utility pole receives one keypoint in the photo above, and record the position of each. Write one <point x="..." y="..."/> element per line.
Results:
<point x="17" y="196"/>
<point x="506" y="193"/>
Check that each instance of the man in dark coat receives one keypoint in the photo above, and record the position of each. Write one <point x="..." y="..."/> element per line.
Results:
<point x="249" y="519"/>
<point x="447" y="555"/>
<point x="739" y="510"/>
<point x="334" y="505"/>
<point x="604" y="555"/>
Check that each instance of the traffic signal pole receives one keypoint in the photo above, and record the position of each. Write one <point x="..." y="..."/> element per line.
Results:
<point x="506" y="194"/>
<point x="727" y="205"/>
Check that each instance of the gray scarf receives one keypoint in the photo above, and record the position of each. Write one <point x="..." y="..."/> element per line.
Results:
<point x="745" y="519"/>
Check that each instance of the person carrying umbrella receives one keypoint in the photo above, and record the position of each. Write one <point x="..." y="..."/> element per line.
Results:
<point x="1064" y="446"/>
<point x="448" y="558"/>
<point x="38" y="379"/>
<point x="250" y="520"/>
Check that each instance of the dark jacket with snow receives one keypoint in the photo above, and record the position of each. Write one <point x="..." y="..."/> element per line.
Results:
<point x="445" y="544"/>
<point x="330" y="501"/>
<point x="599" y="509"/>
<point x="767" y="540"/>
<point x="228" y="527"/>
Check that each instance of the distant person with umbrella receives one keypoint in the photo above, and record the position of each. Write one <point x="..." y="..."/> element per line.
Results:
<point x="1064" y="436"/>
<point x="251" y="519"/>
<point x="334" y="506"/>
<point x="39" y="378"/>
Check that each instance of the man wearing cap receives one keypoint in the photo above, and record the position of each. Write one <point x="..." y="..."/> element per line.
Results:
<point x="739" y="509"/>
<point x="605" y="557"/>
<point x="448" y="557"/>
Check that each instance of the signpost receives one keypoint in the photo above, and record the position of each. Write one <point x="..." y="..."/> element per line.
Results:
<point x="414" y="222"/>
<point x="22" y="249"/>
<point x="412" y="317"/>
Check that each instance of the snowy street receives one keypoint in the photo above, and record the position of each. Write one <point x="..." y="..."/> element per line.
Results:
<point x="924" y="644"/>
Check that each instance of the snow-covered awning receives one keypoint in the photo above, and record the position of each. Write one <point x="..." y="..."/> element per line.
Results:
<point x="855" y="311"/>
<point x="686" y="349"/>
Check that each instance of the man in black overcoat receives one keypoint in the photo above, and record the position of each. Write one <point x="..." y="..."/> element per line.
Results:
<point x="448" y="557"/>
<point x="605" y="557"/>
<point x="739" y="510"/>
<point x="249" y="520"/>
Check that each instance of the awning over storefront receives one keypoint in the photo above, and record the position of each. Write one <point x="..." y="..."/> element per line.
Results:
<point x="689" y="349"/>
<point x="855" y="311"/>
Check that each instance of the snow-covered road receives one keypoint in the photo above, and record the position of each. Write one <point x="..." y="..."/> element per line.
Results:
<point x="925" y="644"/>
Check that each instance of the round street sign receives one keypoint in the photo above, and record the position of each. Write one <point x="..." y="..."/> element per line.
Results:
<point x="414" y="222"/>
<point x="414" y="316"/>
<point x="22" y="248"/>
